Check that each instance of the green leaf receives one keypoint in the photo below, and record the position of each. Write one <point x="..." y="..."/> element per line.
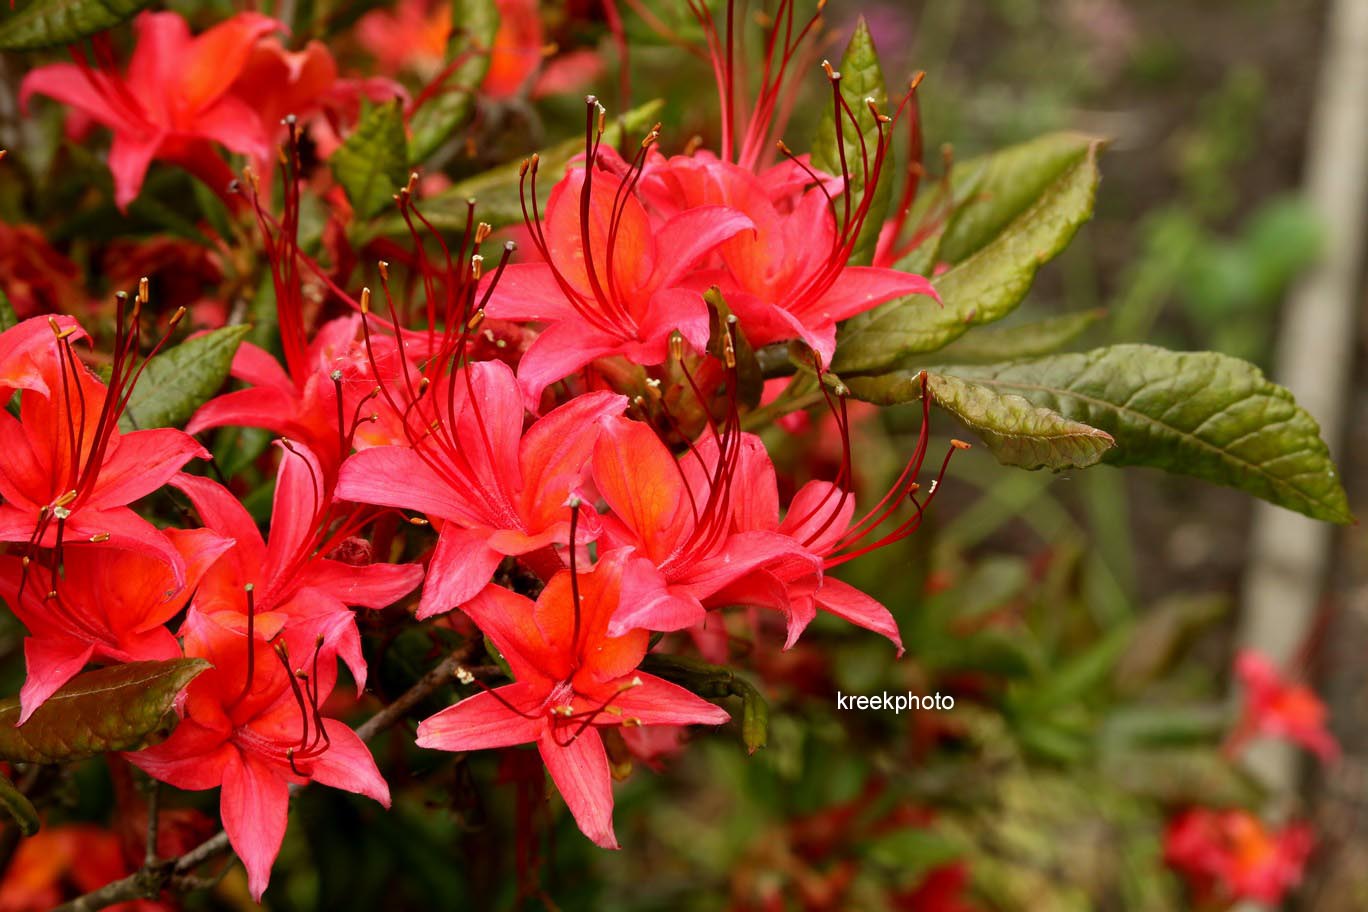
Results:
<point x="1078" y="678"/>
<point x="754" y="719"/>
<point x="1006" y="184"/>
<point x="181" y="379"/>
<point x="913" y="852"/>
<point x="1202" y="414"/>
<point x="714" y="682"/>
<point x="49" y="23"/>
<point x="17" y="807"/>
<point x="373" y="162"/>
<point x="109" y="709"/>
<point x="986" y="344"/>
<point x="432" y="124"/>
<point x="496" y="190"/>
<point x="8" y="318"/>
<point x="983" y="288"/>
<point x="1148" y="726"/>
<point x="862" y="80"/>
<point x="1016" y="431"/>
<point x="1181" y="776"/>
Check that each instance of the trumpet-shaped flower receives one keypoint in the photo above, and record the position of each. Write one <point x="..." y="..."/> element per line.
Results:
<point x="572" y="678"/>
<point x="612" y="277"/>
<point x="790" y="277"/>
<point x="286" y="581"/>
<point x="253" y="724"/>
<point x="173" y="101"/>
<point x="495" y="490"/>
<point x="67" y="473"/>
<point x="1278" y="708"/>
<point x="675" y="518"/>
<point x="1228" y="856"/>
<point x="106" y="605"/>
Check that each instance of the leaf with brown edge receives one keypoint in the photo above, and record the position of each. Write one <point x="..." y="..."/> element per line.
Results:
<point x="1017" y="431"/>
<point x="984" y="287"/>
<point x="108" y="709"/>
<point x="1201" y="414"/>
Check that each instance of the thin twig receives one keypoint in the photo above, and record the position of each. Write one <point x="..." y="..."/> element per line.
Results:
<point x="153" y="806"/>
<point x="155" y="876"/>
<point x="416" y="694"/>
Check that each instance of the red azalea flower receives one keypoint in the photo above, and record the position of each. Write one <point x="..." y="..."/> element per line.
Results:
<point x="35" y="278"/>
<point x="1277" y="708"/>
<point x="319" y="402"/>
<point x="495" y="490"/>
<point x="416" y="35"/>
<point x="179" y="270"/>
<point x="27" y="350"/>
<point x="821" y="521"/>
<point x="789" y="278"/>
<point x="1230" y="855"/>
<point x="611" y="281"/>
<point x="173" y="101"/>
<point x="253" y="724"/>
<point x="518" y="51"/>
<point x="941" y="890"/>
<point x="413" y="37"/>
<point x="58" y="863"/>
<point x="284" y="581"/>
<point x="675" y="517"/>
<point x="572" y="677"/>
<point x="106" y="605"/>
<point x="67" y="473"/>
<point x="306" y="85"/>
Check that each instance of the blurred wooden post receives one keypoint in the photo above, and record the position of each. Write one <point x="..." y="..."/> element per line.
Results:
<point x="1289" y="555"/>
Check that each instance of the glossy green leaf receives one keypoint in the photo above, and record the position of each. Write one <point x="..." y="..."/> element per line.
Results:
<point x="50" y="23"/>
<point x="108" y="709"/>
<point x="987" y="344"/>
<point x="984" y="287"/>
<point x="1017" y="432"/>
<point x="1006" y="184"/>
<point x="1193" y="413"/>
<point x="17" y="807"/>
<point x="178" y="381"/>
<point x="862" y="80"/>
<point x="439" y="117"/>
<point x="372" y="164"/>
<point x="496" y="191"/>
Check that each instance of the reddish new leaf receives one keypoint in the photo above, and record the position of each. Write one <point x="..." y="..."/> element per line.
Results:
<point x="109" y="709"/>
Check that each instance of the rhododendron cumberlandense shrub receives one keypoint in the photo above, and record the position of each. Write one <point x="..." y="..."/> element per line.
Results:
<point x="469" y="478"/>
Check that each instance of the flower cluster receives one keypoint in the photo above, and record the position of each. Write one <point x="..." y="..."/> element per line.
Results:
<point x="574" y="497"/>
<point x="1229" y="855"/>
<point x="545" y="422"/>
